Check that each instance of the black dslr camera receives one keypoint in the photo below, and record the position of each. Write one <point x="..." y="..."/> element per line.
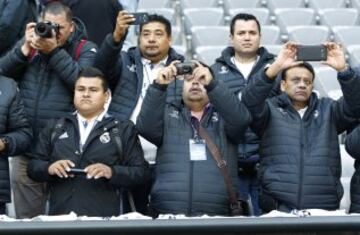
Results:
<point x="186" y="67"/>
<point x="45" y="29"/>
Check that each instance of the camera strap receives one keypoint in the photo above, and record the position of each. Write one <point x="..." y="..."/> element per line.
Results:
<point x="76" y="54"/>
<point x="221" y="163"/>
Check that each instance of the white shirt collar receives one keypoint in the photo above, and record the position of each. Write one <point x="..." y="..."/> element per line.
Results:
<point x="162" y="62"/>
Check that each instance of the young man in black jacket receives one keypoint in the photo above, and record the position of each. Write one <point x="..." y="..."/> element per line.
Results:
<point x="237" y="66"/>
<point x="87" y="140"/>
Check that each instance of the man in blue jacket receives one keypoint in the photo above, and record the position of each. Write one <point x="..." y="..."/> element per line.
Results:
<point x="15" y="134"/>
<point x="105" y="150"/>
<point x="237" y="66"/>
<point x="46" y="69"/>
<point x="300" y="165"/>
<point x="130" y="73"/>
<point x="188" y="179"/>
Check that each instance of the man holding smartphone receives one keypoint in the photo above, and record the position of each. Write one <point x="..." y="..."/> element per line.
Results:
<point x="88" y="156"/>
<point x="300" y="165"/>
<point x="130" y="73"/>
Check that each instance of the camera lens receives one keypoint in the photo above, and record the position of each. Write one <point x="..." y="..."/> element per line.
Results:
<point x="43" y="30"/>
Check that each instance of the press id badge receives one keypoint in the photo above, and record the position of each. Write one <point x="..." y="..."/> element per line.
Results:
<point x="197" y="150"/>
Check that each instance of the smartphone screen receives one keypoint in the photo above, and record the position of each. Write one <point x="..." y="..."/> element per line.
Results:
<point x="140" y="17"/>
<point x="311" y="53"/>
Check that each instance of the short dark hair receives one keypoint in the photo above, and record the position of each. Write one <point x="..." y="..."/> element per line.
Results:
<point x="158" y="18"/>
<point x="304" y="64"/>
<point x="245" y="17"/>
<point x="56" y="8"/>
<point x="91" y="72"/>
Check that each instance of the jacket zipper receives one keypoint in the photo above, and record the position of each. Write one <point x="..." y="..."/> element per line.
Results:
<point x="41" y="85"/>
<point x="190" y="188"/>
<point x="301" y="172"/>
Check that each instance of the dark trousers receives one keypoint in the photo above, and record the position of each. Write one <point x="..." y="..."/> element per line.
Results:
<point x="2" y="208"/>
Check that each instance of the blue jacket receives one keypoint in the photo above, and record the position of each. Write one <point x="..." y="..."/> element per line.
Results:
<point x="15" y="127"/>
<point x="183" y="186"/>
<point x="125" y="73"/>
<point x="224" y="69"/>
<point x="300" y="163"/>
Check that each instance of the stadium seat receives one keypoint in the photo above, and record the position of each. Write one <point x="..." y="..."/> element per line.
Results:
<point x="208" y="54"/>
<point x="293" y="17"/>
<point x="202" y="17"/>
<point x="300" y="34"/>
<point x="322" y="4"/>
<point x="277" y="4"/>
<point x="232" y="4"/>
<point x="270" y="34"/>
<point x="209" y="36"/>
<point x="168" y="13"/>
<point x="198" y="3"/>
<point x="326" y="82"/>
<point x="354" y="55"/>
<point x="145" y="4"/>
<point x="339" y="17"/>
<point x="274" y="49"/>
<point x="347" y="35"/>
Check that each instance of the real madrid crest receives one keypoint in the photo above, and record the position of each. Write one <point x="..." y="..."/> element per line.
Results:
<point x="105" y="138"/>
<point x="223" y="69"/>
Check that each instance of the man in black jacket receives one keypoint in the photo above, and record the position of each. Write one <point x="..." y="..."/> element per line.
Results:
<point x="188" y="179"/>
<point x="46" y="69"/>
<point x="15" y="133"/>
<point x="131" y="72"/>
<point x="300" y="163"/>
<point x="237" y="66"/>
<point x="87" y="140"/>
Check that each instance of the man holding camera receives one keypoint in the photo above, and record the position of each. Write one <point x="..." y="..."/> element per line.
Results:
<point x="88" y="156"/>
<point x="188" y="180"/>
<point x="45" y="64"/>
<point x="130" y="73"/>
<point x="300" y="164"/>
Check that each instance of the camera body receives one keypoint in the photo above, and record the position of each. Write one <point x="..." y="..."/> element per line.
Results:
<point x="311" y="53"/>
<point x="186" y="67"/>
<point x="140" y="18"/>
<point x="45" y="29"/>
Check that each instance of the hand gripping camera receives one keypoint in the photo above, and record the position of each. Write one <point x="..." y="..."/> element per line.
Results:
<point x="186" y="67"/>
<point x="45" y="29"/>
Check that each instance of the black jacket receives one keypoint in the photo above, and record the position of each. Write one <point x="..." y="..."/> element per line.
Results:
<point x="99" y="17"/>
<point x="125" y="73"/>
<point x="14" y="126"/>
<point x="300" y="163"/>
<point x="14" y="15"/>
<point x="88" y="197"/>
<point x="183" y="186"/>
<point x="352" y="145"/>
<point x="47" y="81"/>
<point x="224" y="69"/>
